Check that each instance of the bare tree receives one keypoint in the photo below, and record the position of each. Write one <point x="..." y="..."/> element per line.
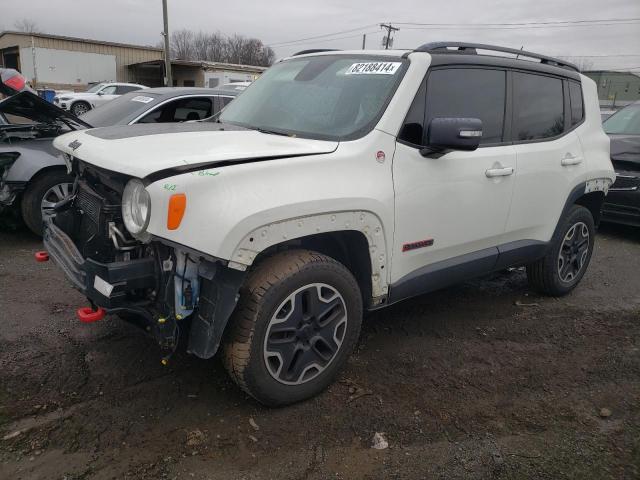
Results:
<point x="26" y="25"/>
<point x="182" y="44"/>
<point x="215" y="47"/>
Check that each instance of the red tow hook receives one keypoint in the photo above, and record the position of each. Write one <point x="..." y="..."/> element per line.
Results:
<point x="42" y="256"/>
<point x="89" y="315"/>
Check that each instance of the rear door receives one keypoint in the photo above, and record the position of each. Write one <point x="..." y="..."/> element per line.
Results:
<point x="451" y="207"/>
<point x="549" y="154"/>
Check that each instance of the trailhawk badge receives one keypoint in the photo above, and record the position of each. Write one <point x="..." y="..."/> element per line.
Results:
<point x="74" y="145"/>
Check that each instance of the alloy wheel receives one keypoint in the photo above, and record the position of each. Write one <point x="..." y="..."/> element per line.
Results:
<point x="55" y="194"/>
<point x="305" y="334"/>
<point x="573" y="252"/>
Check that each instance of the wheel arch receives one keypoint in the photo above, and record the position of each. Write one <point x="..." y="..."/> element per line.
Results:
<point x="354" y="238"/>
<point x="593" y="202"/>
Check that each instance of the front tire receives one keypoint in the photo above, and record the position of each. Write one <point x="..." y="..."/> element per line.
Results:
<point x="80" y="108"/>
<point x="566" y="262"/>
<point x="42" y="194"/>
<point x="296" y="323"/>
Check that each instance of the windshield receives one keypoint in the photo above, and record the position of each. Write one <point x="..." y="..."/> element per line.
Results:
<point x="95" y="88"/>
<point x="329" y="97"/>
<point x="121" y="110"/>
<point x="624" y="122"/>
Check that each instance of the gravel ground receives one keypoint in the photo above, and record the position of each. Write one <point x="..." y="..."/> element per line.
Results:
<point x="484" y="380"/>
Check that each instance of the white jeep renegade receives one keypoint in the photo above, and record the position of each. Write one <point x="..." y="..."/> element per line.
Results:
<point x="337" y="183"/>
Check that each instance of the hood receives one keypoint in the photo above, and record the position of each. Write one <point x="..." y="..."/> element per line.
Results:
<point x="28" y="105"/>
<point x="171" y="148"/>
<point x="625" y="148"/>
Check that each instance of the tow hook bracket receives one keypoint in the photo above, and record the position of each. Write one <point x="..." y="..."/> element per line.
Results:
<point x="89" y="315"/>
<point x="42" y="256"/>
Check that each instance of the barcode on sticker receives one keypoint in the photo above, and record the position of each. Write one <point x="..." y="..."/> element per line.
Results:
<point x="373" y="68"/>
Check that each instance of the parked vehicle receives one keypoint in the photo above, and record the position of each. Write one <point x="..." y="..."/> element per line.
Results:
<point x="238" y="86"/>
<point x="11" y="82"/>
<point x="36" y="178"/>
<point x="31" y="176"/>
<point x="161" y="105"/>
<point x="623" y="202"/>
<point x="81" y="102"/>
<point x="339" y="182"/>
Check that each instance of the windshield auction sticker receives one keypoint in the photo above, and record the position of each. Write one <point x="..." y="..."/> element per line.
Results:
<point x="142" y="99"/>
<point x="373" y="68"/>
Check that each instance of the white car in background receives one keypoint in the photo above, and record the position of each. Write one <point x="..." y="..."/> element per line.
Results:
<point x="81" y="102"/>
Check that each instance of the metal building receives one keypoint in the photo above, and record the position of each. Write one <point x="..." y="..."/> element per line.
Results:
<point x="616" y="89"/>
<point x="188" y="73"/>
<point x="60" y="62"/>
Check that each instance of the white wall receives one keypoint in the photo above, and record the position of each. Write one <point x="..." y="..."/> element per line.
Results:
<point x="65" y="66"/>
<point x="227" y="77"/>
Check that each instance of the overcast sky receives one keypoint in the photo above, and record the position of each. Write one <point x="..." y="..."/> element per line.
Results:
<point x="140" y="21"/>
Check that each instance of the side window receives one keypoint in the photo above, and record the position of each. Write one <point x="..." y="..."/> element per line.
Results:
<point x="538" y="107"/>
<point x="181" y="110"/>
<point x="575" y="95"/>
<point x="469" y="92"/>
<point x="192" y="109"/>
<point x="110" y="90"/>
<point x="122" y="89"/>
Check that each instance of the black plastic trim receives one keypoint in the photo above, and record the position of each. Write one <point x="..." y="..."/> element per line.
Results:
<point x="180" y="169"/>
<point x="501" y="62"/>
<point x="471" y="49"/>
<point x="124" y="276"/>
<point x="464" y="267"/>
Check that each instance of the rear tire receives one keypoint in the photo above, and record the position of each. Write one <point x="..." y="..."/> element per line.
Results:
<point x="566" y="262"/>
<point x="296" y="323"/>
<point x="43" y="192"/>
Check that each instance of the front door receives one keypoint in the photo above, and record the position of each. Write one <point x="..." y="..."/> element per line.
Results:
<point x="451" y="210"/>
<point x="105" y="95"/>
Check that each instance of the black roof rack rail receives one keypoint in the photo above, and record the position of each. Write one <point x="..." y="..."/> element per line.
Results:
<point x="315" y="50"/>
<point x="472" y="48"/>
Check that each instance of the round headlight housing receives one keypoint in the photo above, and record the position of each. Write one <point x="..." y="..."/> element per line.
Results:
<point x="136" y="208"/>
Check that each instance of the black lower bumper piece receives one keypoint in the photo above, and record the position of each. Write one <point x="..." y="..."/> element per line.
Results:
<point x="622" y="207"/>
<point x="106" y="285"/>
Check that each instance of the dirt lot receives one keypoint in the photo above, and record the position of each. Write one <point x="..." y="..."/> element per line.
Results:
<point x="485" y="380"/>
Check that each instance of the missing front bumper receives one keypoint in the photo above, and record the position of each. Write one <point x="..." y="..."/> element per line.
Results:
<point x="107" y="285"/>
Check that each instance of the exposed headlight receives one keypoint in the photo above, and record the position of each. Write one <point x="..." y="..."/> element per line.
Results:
<point x="64" y="99"/>
<point x="136" y="208"/>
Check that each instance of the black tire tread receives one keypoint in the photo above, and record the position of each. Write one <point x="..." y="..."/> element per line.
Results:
<point x="269" y="272"/>
<point x="541" y="274"/>
<point x="31" y="199"/>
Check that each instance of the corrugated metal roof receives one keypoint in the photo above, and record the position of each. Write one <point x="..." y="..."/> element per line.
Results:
<point x="206" y="65"/>
<point x="82" y="40"/>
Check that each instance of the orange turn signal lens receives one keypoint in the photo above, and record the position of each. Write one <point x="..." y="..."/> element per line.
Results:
<point x="177" y="206"/>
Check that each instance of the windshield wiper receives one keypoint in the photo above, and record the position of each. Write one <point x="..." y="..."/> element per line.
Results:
<point x="273" y="132"/>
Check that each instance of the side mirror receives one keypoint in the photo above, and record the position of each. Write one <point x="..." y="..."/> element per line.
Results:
<point x="452" y="134"/>
<point x="100" y="93"/>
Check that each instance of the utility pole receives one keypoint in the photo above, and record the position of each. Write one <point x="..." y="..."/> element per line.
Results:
<point x="33" y="59"/>
<point x="168" y="81"/>
<point x="387" y="41"/>
<point x="364" y="41"/>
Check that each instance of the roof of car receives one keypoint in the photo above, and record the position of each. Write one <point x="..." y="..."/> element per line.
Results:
<point x="173" y="91"/>
<point x="449" y="57"/>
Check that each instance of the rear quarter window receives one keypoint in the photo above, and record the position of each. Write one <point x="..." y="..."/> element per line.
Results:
<point x="577" y="108"/>
<point x="538" y="107"/>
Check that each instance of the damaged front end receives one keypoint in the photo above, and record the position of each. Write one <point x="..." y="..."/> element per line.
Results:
<point x="160" y="286"/>
<point x="8" y="191"/>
